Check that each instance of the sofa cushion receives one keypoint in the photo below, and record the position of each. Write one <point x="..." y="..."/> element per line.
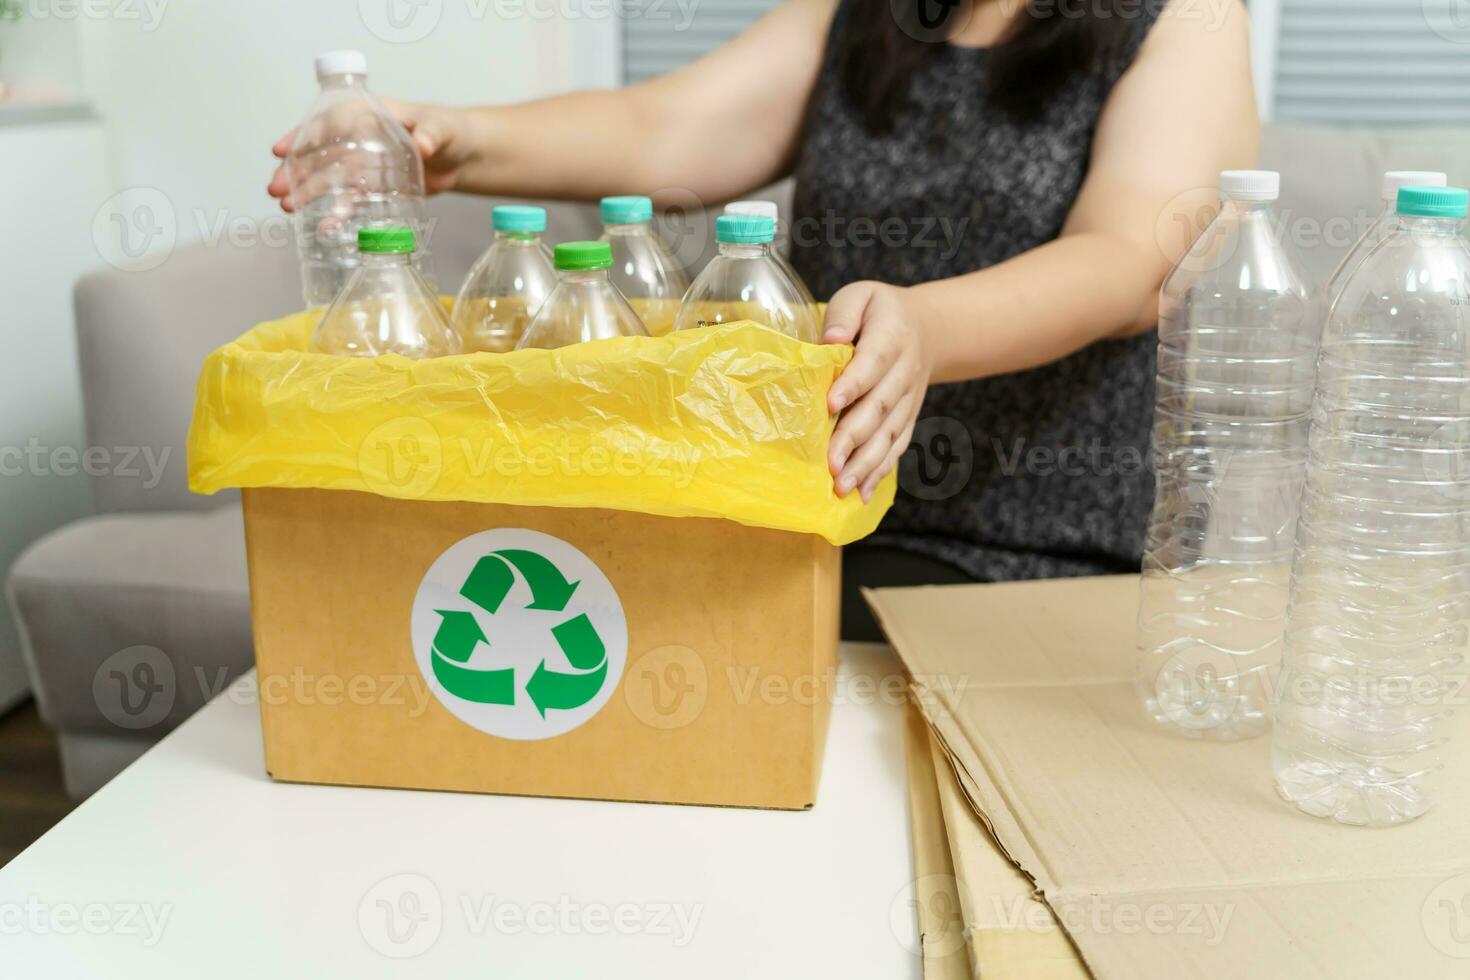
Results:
<point x="130" y="622"/>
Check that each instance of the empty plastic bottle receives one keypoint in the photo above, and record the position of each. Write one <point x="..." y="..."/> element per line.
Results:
<point x="744" y="282"/>
<point x="1382" y="225"/>
<point x="352" y="165"/>
<point x="1237" y="345"/>
<point x="386" y="307"/>
<point x="585" y="305"/>
<point x="1380" y="591"/>
<point x="768" y="209"/>
<point x="643" y="269"/>
<point x="507" y="285"/>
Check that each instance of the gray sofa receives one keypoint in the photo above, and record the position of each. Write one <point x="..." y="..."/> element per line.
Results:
<point x="132" y="618"/>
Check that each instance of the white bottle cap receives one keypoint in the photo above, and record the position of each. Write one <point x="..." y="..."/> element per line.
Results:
<point x="1394" y="179"/>
<point x="341" y="63"/>
<point x="759" y="209"/>
<point x="1250" y="185"/>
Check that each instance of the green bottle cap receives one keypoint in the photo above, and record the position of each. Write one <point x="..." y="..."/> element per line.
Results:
<point x="744" y="228"/>
<point x="573" y="256"/>
<point x="394" y="239"/>
<point x="626" y="210"/>
<point x="1433" y="202"/>
<point x="518" y="217"/>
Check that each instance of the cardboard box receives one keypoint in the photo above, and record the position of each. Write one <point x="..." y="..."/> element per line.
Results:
<point x="542" y="651"/>
<point x="1162" y="856"/>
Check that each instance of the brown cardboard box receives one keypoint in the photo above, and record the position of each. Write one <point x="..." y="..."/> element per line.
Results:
<point x="1162" y="856"/>
<point x="710" y="646"/>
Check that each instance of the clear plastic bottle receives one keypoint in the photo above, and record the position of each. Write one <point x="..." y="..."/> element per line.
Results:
<point x="768" y="209"/>
<point x="507" y="285"/>
<point x="744" y="282"/>
<point x="585" y="305"/>
<point x="352" y="165"/>
<point x="1237" y="347"/>
<point x="1380" y="591"/>
<point x="386" y="307"/>
<point x="643" y="268"/>
<point x="1382" y="225"/>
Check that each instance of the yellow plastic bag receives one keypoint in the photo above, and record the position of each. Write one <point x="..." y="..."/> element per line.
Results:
<point x="727" y="421"/>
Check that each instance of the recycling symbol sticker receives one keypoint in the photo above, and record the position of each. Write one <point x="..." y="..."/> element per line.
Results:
<point x="519" y="634"/>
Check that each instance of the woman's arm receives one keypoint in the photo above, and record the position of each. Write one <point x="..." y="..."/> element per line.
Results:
<point x="718" y="127"/>
<point x="1183" y="112"/>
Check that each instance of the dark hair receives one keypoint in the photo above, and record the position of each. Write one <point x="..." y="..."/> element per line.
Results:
<point x="883" y="43"/>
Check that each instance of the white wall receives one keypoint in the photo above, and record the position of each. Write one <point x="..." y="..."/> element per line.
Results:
<point x="191" y="100"/>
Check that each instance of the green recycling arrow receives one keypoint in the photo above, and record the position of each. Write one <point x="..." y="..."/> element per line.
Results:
<point x="549" y="588"/>
<point x="454" y="642"/>
<point x="584" y="650"/>
<point x="459" y="634"/>
<point x="488" y="583"/>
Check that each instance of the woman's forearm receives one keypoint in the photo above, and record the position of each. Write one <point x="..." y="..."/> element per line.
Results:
<point x="579" y="146"/>
<point x="1039" y="306"/>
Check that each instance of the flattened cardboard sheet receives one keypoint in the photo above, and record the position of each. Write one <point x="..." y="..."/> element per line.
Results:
<point x="1162" y="856"/>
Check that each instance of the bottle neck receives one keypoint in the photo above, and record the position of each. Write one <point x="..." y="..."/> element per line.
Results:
<point x="1425" y="227"/>
<point x="518" y="237"/>
<point x="744" y="250"/>
<point x="629" y="228"/>
<point x="385" y="260"/>
<point x="582" y="277"/>
<point x="342" y="80"/>
<point x="1247" y="210"/>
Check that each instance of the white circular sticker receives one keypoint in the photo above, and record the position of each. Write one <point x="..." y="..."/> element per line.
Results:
<point x="519" y="634"/>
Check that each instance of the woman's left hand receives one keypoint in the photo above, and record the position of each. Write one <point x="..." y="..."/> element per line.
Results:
<point x="881" y="391"/>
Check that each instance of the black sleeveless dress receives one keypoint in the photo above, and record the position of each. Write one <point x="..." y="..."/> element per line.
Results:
<point x="1038" y="474"/>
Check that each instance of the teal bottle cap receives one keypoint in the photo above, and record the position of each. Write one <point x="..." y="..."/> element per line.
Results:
<point x="1433" y="202"/>
<point x="744" y="229"/>
<point x="576" y="256"/>
<point x="518" y="217"/>
<point x="626" y="210"/>
<point x="391" y="240"/>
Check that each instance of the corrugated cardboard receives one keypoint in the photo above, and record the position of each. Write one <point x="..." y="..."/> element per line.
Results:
<point x="1160" y="856"/>
<point x="743" y="619"/>
<point x="1012" y="932"/>
<point x="942" y="942"/>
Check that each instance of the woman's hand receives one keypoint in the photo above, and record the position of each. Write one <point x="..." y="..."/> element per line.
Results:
<point x="882" y="390"/>
<point x="440" y="132"/>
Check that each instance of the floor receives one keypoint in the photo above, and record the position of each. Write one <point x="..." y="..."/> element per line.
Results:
<point x="32" y="799"/>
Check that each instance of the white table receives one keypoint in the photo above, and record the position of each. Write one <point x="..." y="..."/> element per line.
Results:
<point x="193" y="863"/>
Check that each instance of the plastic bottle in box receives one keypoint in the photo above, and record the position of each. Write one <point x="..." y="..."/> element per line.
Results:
<point x="507" y="285"/>
<point x="744" y="282"/>
<point x="585" y="305"/>
<point x="642" y="269"/>
<point x="386" y="307"/>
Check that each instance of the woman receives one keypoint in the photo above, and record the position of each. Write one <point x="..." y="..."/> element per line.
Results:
<point x="989" y="198"/>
